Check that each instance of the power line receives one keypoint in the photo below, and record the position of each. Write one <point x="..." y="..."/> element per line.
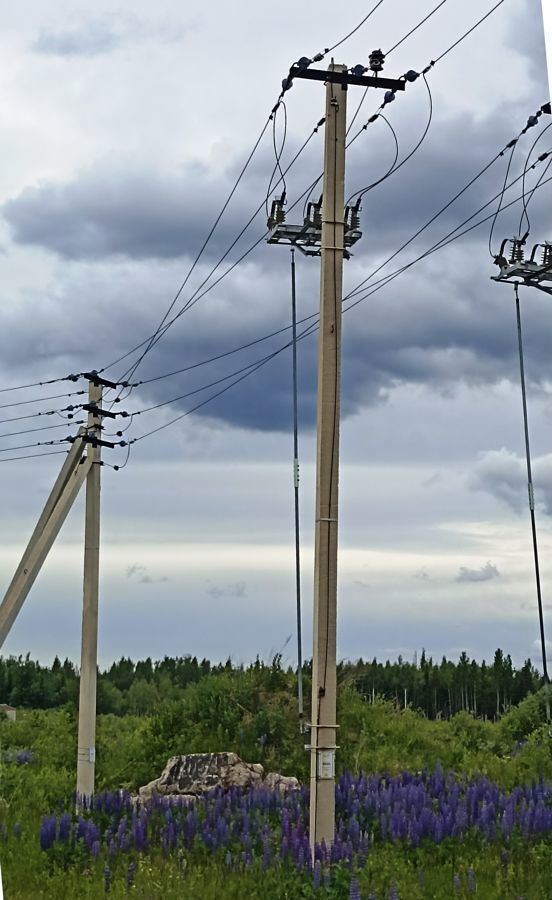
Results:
<point x="160" y="331"/>
<point x="528" y="157"/>
<point x="468" y="32"/>
<point x="41" y="428"/>
<point x="196" y="296"/>
<point x="349" y="295"/>
<point x="312" y="328"/>
<point x="34" y="455"/>
<point x="439" y="212"/>
<point x="41" y="399"/>
<point x="514" y="144"/>
<point x="419" y="25"/>
<point x="46" y="412"/>
<point x="20" y="387"/>
<point x="277" y="155"/>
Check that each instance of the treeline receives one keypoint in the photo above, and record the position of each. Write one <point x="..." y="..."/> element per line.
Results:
<point x="442" y="689"/>
<point x="438" y="689"/>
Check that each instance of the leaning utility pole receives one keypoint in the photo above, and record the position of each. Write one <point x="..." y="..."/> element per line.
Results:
<point x="86" y="754"/>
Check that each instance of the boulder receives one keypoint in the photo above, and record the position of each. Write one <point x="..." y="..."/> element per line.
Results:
<point x="198" y="773"/>
<point x="282" y="783"/>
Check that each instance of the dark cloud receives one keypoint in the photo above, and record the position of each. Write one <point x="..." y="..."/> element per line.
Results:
<point x="504" y="475"/>
<point x="130" y="235"/>
<point x="486" y="573"/>
<point x="117" y="209"/>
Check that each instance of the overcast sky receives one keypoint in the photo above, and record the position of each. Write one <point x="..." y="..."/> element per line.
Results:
<point x="123" y="131"/>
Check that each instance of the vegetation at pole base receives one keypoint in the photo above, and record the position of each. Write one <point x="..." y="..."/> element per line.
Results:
<point x="406" y="827"/>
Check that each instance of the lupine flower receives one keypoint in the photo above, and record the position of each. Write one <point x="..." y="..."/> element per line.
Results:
<point x="48" y="832"/>
<point x="354" y="889"/>
<point x="456" y="883"/>
<point x="17" y="829"/>
<point x="24" y="757"/>
<point x="393" y="893"/>
<point x="471" y="881"/>
<point x="107" y="879"/>
<point x="317" y="874"/>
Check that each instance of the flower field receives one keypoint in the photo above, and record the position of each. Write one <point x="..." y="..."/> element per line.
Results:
<point x="261" y="837"/>
<point x="412" y="832"/>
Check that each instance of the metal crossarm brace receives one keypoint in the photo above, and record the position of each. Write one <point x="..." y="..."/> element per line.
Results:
<point x="346" y="78"/>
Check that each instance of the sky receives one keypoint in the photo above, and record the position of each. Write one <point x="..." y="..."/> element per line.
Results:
<point x="124" y="130"/>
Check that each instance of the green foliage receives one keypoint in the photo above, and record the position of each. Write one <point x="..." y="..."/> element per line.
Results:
<point x="252" y="711"/>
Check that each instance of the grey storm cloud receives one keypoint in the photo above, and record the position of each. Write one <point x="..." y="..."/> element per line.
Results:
<point x="130" y="232"/>
<point x="116" y="209"/>
<point x="485" y="573"/>
<point x="503" y="474"/>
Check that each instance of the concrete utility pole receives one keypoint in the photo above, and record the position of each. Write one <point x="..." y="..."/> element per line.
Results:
<point x="334" y="231"/>
<point x="323" y="711"/>
<point x="86" y="756"/>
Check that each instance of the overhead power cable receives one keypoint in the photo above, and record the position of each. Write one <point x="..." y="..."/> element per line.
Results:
<point x="312" y="328"/>
<point x="412" y="30"/>
<point x="443" y="242"/>
<point x="161" y="330"/>
<point x="41" y="399"/>
<point x="445" y="207"/>
<point x="528" y="157"/>
<point x="21" y="387"/>
<point x="277" y="155"/>
<point x="199" y="292"/>
<point x="41" y="428"/>
<point x="33" y="455"/>
<point x="275" y="333"/>
<point x="46" y="412"/>
<point x="197" y="295"/>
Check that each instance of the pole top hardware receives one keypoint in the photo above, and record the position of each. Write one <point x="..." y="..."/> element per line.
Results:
<point x="97" y="379"/>
<point x="346" y="78"/>
<point x="308" y="236"/>
<point x="98" y="411"/>
<point x="516" y="269"/>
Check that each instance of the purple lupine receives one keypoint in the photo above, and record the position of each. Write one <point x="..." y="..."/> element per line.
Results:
<point x="317" y="874"/>
<point x="456" y="883"/>
<point x="48" y="832"/>
<point x="17" y="829"/>
<point x="393" y="893"/>
<point x="24" y="757"/>
<point x="354" y="889"/>
<point x="471" y="881"/>
<point x="107" y="879"/>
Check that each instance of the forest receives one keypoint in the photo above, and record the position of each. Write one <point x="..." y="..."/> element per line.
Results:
<point x="437" y="689"/>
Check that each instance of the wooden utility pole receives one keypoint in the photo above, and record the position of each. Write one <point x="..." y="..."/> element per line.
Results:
<point x="86" y="755"/>
<point x="323" y="711"/>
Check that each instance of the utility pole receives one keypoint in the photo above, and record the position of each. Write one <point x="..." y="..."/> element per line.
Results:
<point x="296" y="501"/>
<point x="323" y="708"/>
<point x="86" y="755"/>
<point x="334" y="230"/>
<point x="534" y="273"/>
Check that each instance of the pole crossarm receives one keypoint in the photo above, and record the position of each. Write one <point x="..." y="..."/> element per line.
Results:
<point x="345" y="78"/>
<point x="60" y="501"/>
